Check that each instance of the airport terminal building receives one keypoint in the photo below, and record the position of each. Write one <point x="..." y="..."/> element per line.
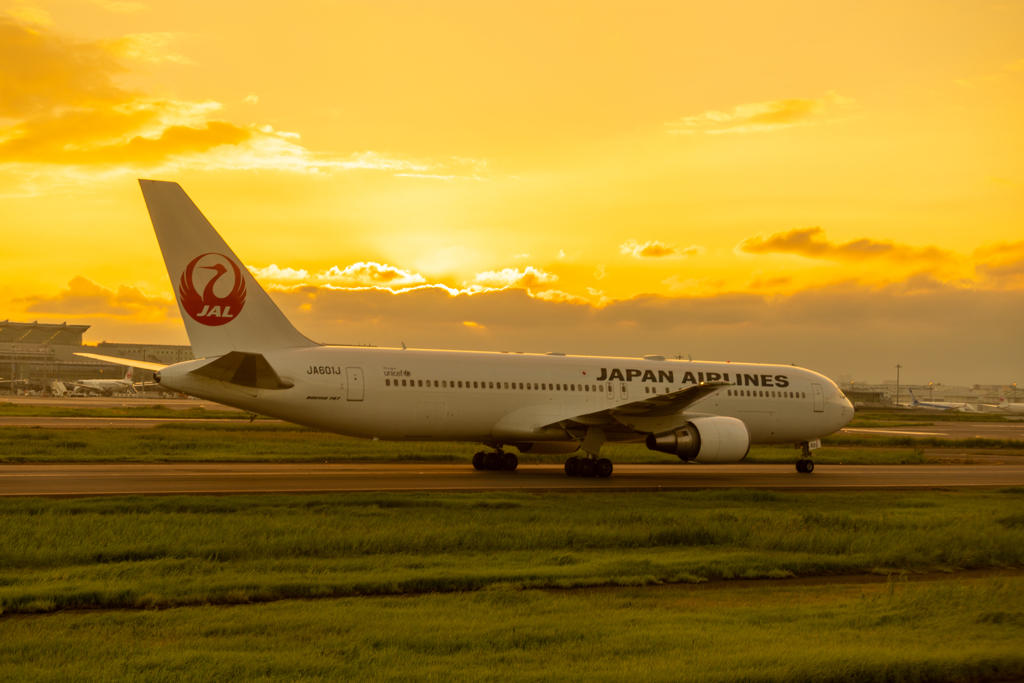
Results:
<point x="34" y="355"/>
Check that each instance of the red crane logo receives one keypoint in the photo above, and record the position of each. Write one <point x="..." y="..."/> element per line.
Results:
<point x="208" y="308"/>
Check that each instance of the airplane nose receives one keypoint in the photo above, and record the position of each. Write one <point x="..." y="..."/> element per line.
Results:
<point x="847" y="412"/>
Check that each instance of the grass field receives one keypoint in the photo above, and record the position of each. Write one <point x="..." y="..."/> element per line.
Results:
<point x="157" y="552"/>
<point x="960" y="630"/>
<point x="244" y="442"/>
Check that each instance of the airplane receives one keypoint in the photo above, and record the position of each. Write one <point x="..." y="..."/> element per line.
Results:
<point x="1004" y="406"/>
<point x="961" y="407"/>
<point x="248" y="355"/>
<point x="107" y="387"/>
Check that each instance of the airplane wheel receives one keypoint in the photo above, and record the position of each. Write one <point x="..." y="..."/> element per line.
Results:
<point x="493" y="461"/>
<point x="510" y="462"/>
<point x="572" y="466"/>
<point x="808" y="466"/>
<point x="478" y="460"/>
<point x="800" y="466"/>
<point x="587" y="468"/>
<point x="604" y="467"/>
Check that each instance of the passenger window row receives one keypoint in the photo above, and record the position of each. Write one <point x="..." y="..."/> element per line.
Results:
<point x="527" y="386"/>
<point x="765" y="394"/>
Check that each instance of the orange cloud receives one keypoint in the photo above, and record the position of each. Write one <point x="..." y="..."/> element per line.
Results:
<point x="61" y="106"/>
<point x="760" y="116"/>
<point x="145" y="47"/>
<point x="368" y="274"/>
<point x="41" y="72"/>
<point x="513" y="277"/>
<point x="656" y="249"/>
<point x="361" y="274"/>
<point x="812" y="243"/>
<point x="84" y="298"/>
<point x="1001" y="265"/>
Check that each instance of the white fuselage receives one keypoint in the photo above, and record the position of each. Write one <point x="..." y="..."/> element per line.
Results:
<point x="105" y="386"/>
<point x="415" y="395"/>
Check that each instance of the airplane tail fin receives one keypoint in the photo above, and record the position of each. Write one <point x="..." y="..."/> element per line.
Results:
<point x="129" y="373"/>
<point x="223" y="306"/>
<point x="913" y="396"/>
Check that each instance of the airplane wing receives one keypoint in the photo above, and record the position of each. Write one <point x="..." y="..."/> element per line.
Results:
<point x="141" y="364"/>
<point x="628" y="421"/>
<point x="632" y="414"/>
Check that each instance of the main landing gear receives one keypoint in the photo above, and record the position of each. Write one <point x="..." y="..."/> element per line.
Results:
<point x="588" y="467"/>
<point x="495" y="461"/>
<point x="805" y="465"/>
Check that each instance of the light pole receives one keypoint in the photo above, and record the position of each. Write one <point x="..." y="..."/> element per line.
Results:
<point x="898" y="366"/>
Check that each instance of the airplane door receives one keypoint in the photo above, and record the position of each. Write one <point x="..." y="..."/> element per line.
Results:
<point x="623" y="391"/>
<point x="819" y="398"/>
<point x="611" y="390"/>
<point x="355" y="383"/>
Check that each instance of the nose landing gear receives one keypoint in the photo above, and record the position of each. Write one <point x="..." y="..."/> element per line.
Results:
<point x="805" y="465"/>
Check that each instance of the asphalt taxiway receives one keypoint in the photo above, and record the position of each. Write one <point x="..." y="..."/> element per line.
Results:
<point x="203" y="478"/>
<point x="113" y="402"/>
<point x="947" y="430"/>
<point x="114" y="422"/>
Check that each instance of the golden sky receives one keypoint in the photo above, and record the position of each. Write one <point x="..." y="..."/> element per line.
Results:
<point x="834" y="184"/>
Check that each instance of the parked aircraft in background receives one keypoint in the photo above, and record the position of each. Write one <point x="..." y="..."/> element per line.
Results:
<point x="1005" y="406"/>
<point x="250" y="356"/>
<point x="941" y="405"/>
<point x="106" y="387"/>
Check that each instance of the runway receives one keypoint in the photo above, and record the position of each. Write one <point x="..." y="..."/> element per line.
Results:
<point x="115" y="422"/>
<point x="167" y="479"/>
<point x="947" y="430"/>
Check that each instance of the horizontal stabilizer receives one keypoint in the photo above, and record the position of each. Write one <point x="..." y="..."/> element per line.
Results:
<point x="141" y="364"/>
<point x="243" y="369"/>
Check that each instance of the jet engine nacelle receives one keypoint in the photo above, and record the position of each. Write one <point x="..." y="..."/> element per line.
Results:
<point x="705" y="440"/>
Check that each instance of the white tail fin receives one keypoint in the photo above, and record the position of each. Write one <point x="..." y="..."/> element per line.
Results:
<point x="128" y="375"/>
<point x="223" y="306"/>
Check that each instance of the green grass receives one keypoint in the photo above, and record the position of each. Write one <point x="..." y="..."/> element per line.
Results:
<point x="967" y="630"/>
<point x="143" y="411"/>
<point x="244" y="442"/>
<point x="140" y="552"/>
